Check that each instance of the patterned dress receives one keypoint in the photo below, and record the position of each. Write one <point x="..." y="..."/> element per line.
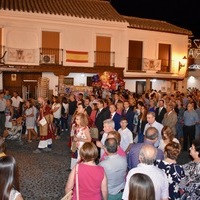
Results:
<point x="191" y="183"/>
<point x="79" y="132"/>
<point x="174" y="174"/>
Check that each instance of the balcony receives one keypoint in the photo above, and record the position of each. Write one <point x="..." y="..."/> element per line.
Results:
<point x="50" y="56"/>
<point x="104" y="58"/>
<point x="145" y="64"/>
<point x="134" y="64"/>
<point x="2" y="54"/>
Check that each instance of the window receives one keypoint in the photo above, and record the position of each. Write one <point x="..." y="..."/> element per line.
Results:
<point x="135" y="55"/>
<point x="164" y="54"/>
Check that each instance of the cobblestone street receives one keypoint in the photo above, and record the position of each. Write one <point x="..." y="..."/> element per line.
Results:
<point x="43" y="176"/>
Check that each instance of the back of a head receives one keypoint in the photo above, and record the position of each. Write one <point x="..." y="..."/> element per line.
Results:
<point x="111" y="145"/>
<point x="7" y="176"/>
<point x="172" y="150"/>
<point x="88" y="152"/>
<point x="141" y="187"/>
<point x="151" y="133"/>
<point x="147" y="154"/>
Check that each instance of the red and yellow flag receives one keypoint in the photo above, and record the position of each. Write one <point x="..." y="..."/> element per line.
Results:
<point x="76" y="56"/>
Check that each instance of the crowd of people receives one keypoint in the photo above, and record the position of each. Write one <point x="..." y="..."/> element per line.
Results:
<point x="139" y="140"/>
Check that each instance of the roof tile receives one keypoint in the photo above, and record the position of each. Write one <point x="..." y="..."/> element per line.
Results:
<point x="155" y="25"/>
<point x="93" y="9"/>
<point x="79" y="8"/>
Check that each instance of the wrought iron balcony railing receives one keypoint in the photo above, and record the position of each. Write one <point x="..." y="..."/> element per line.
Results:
<point x="51" y="56"/>
<point x="143" y="64"/>
<point x="2" y="54"/>
<point x="104" y="58"/>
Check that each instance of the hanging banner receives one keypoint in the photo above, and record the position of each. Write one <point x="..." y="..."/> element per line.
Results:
<point x="151" y="64"/>
<point x="20" y="55"/>
<point x="76" y="56"/>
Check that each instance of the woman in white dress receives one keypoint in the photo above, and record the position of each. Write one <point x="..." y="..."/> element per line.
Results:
<point x="30" y="120"/>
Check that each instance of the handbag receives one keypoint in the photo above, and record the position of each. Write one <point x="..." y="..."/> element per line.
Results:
<point x="43" y="121"/>
<point x="94" y="132"/>
<point x="68" y="196"/>
<point x="73" y="146"/>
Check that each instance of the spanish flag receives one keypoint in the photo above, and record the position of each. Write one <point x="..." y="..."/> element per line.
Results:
<point x="77" y="56"/>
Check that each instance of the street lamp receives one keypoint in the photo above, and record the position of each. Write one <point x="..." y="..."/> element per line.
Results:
<point x="182" y="63"/>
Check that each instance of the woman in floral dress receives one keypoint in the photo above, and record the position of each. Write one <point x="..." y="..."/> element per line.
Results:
<point x="80" y="134"/>
<point x="191" y="183"/>
<point x="173" y="171"/>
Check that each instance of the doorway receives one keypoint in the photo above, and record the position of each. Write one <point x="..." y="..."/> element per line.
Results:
<point x="29" y="89"/>
<point x="23" y="83"/>
<point x="141" y="87"/>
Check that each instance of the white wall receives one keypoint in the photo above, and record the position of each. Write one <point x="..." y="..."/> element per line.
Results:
<point x="80" y="79"/>
<point x="151" y="40"/>
<point x="162" y="85"/>
<point x="24" y="30"/>
<point x="193" y="82"/>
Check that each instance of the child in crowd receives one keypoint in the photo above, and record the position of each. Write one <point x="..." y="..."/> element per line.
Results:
<point x="126" y="135"/>
<point x="14" y="132"/>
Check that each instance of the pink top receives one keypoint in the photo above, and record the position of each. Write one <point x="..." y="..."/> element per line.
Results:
<point x="90" y="178"/>
<point x="120" y="152"/>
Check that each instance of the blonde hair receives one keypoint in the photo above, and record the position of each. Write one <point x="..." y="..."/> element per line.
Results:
<point x="83" y="119"/>
<point x="116" y="135"/>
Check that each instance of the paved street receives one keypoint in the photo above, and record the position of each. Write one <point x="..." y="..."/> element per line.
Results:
<point x="43" y="176"/>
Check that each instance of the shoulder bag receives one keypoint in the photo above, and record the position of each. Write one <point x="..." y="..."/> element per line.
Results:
<point x="68" y="196"/>
<point x="77" y="188"/>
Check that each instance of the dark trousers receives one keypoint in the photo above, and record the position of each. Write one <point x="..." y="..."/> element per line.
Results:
<point x="2" y="123"/>
<point x="188" y="136"/>
<point x="64" y="123"/>
<point x="69" y="122"/>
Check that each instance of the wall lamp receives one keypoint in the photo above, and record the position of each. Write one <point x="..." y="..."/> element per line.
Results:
<point x="182" y="63"/>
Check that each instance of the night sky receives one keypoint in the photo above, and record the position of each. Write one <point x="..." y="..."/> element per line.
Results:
<point x="185" y="14"/>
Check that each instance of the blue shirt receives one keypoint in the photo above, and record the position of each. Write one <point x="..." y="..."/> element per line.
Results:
<point x="190" y="118"/>
<point x="133" y="155"/>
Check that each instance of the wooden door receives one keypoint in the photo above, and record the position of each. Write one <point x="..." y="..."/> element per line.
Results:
<point x="103" y="51"/>
<point x="50" y="44"/>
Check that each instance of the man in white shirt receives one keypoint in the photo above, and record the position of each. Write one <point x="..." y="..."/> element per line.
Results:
<point x="108" y="126"/>
<point x="153" y="123"/>
<point x="16" y="100"/>
<point x="147" y="157"/>
<point x="56" y="110"/>
<point x="126" y="135"/>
